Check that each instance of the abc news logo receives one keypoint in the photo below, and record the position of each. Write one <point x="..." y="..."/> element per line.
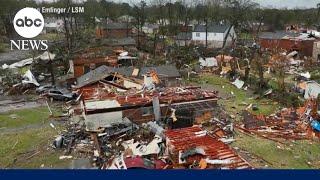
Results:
<point x="28" y="23"/>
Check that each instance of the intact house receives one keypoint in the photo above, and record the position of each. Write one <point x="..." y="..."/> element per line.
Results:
<point x="303" y="43"/>
<point x="53" y="25"/>
<point x="113" y="30"/>
<point x="215" y="33"/>
<point x="125" y="19"/>
<point x="184" y="39"/>
<point x="124" y="43"/>
<point x="57" y="25"/>
<point x="150" y="28"/>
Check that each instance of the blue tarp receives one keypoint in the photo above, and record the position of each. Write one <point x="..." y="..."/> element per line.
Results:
<point x="315" y="125"/>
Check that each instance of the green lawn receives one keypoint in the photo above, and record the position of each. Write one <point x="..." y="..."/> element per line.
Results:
<point x="25" y="117"/>
<point x="50" y="36"/>
<point x="29" y="147"/>
<point x="4" y="47"/>
<point x="240" y="98"/>
<point x="293" y="155"/>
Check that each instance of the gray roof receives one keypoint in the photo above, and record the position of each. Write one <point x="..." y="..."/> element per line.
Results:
<point x="93" y="76"/>
<point x="100" y="73"/>
<point x="115" y="26"/>
<point x="125" y="71"/>
<point x="216" y="28"/>
<point x="128" y="41"/>
<point x="104" y="71"/>
<point x="152" y="26"/>
<point x="184" y="36"/>
<point x="162" y="71"/>
<point x="277" y="35"/>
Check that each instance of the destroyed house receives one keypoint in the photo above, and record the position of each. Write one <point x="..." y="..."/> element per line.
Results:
<point x="288" y="123"/>
<point x="178" y="107"/>
<point x="103" y="77"/>
<point x="95" y="57"/>
<point x="113" y="30"/>
<point x="168" y="75"/>
<point x="288" y="41"/>
<point x="91" y="59"/>
<point x="189" y="145"/>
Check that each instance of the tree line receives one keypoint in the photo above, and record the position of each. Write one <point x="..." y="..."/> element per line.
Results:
<point x="172" y="13"/>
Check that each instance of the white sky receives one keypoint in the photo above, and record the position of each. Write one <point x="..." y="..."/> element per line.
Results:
<point x="288" y="3"/>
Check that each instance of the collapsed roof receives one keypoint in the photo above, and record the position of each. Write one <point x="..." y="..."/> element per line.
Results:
<point x="166" y="71"/>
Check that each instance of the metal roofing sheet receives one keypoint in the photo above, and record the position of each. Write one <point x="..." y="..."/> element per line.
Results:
<point x="191" y="137"/>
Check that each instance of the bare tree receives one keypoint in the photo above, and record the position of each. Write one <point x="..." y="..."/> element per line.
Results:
<point x="140" y="17"/>
<point x="318" y="12"/>
<point x="238" y="14"/>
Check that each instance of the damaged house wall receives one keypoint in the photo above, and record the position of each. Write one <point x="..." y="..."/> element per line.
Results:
<point x="316" y="51"/>
<point x="132" y="77"/>
<point x="100" y="114"/>
<point x="139" y="109"/>
<point x="288" y="41"/>
<point x="113" y="30"/>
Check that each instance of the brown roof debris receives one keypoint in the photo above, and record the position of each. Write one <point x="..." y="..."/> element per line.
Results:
<point x="194" y="148"/>
<point x="289" y="123"/>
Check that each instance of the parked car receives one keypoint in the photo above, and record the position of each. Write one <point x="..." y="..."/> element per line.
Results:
<point x="60" y="94"/>
<point x="44" y="89"/>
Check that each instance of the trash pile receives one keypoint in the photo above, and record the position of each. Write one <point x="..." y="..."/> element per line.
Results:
<point x="154" y="144"/>
<point x="26" y="75"/>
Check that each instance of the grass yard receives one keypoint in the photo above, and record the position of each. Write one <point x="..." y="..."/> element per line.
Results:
<point x="294" y="155"/>
<point x="50" y="36"/>
<point x="4" y="47"/>
<point x="238" y="99"/>
<point x="25" y="117"/>
<point x="29" y="147"/>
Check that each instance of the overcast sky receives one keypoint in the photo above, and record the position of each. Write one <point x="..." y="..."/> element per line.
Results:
<point x="288" y="3"/>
